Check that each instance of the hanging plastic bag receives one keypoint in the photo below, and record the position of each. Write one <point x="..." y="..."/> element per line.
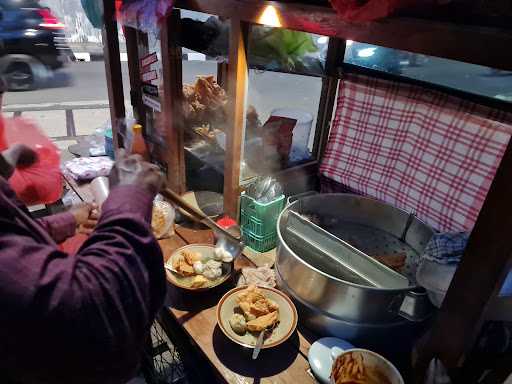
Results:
<point x="144" y="15"/>
<point x="286" y="48"/>
<point x="41" y="183"/>
<point x="369" y="10"/>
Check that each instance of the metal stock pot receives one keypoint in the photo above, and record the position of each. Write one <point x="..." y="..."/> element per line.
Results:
<point x="332" y="302"/>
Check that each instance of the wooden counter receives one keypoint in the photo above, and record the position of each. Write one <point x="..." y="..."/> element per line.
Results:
<point x="195" y="314"/>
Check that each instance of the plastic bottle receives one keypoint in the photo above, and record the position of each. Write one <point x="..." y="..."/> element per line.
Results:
<point x="139" y="146"/>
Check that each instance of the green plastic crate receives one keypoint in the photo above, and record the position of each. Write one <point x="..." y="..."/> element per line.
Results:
<point x="260" y="243"/>
<point x="260" y="218"/>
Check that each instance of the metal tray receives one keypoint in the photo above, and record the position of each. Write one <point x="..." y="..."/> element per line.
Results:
<point x="337" y="257"/>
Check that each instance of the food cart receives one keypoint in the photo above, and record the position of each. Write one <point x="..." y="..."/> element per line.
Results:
<point x="224" y="155"/>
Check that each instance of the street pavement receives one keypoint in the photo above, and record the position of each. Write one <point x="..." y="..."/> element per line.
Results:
<point x="85" y="82"/>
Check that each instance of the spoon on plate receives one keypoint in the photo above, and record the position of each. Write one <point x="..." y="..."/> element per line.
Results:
<point x="261" y="338"/>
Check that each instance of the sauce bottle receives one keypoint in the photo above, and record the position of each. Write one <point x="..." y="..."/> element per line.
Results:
<point x="139" y="146"/>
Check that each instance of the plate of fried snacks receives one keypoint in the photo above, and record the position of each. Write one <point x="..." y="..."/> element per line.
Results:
<point x="244" y="312"/>
<point x="197" y="267"/>
<point x="361" y="366"/>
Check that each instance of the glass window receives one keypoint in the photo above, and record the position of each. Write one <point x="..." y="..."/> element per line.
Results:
<point x="466" y="77"/>
<point x="204" y="41"/>
<point x="284" y="91"/>
<point x="285" y="50"/>
<point x="281" y="121"/>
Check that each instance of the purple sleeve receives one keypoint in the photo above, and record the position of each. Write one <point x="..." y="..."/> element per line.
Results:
<point x="90" y="312"/>
<point x="60" y="226"/>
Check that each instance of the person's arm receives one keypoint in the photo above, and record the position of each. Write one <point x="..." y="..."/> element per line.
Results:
<point x="64" y="225"/>
<point x="60" y="226"/>
<point x="85" y="316"/>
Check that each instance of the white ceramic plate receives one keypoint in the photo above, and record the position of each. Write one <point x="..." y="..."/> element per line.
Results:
<point x="207" y="252"/>
<point x="287" y="318"/>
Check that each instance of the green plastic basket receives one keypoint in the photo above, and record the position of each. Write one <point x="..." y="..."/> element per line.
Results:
<point x="260" y="219"/>
<point x="260" y="243"/>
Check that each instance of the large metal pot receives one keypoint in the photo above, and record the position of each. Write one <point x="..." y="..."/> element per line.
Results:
<point x="331" y="302"/>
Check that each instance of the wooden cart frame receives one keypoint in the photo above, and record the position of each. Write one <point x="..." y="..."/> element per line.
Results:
<point x="488" y="256"/>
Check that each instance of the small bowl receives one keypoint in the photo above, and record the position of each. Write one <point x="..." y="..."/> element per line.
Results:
<point x="373" y="360"/>
<point x="287" y="318"/>
<point x="184" y="282"/>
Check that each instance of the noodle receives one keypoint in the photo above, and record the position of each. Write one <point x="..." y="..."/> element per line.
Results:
<point x="350" y="369"/>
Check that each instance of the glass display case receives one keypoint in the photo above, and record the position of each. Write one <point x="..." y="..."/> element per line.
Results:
<point x="257" y="116"/>
<point x="245" y="99"/>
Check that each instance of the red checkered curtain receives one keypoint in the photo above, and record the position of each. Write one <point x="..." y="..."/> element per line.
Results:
<point x="417" y="149"/>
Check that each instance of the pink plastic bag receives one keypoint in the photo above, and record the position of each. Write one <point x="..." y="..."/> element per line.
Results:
<point x="40" y="183"/>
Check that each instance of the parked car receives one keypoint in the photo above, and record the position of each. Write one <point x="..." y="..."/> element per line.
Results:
<point x="32" y="44"/>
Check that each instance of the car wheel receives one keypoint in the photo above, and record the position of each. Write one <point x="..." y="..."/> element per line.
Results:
<point x="20" y="77"/>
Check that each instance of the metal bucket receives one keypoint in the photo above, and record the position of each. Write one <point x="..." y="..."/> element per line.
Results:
<point x="334" y="300"/>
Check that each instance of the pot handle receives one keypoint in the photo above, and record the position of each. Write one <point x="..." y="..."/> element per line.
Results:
<point x="413" y="306"/>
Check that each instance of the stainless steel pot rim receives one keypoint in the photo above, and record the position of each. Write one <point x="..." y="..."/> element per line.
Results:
<point x="330" y="315"/>
<point x="282" y="243"/>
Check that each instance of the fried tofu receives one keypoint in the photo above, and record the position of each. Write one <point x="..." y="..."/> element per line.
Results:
<point x="191" y="257"/>
<point x="260" y="308"/>
<point x="254" y="304"/>
<point x="263" y="322"/>
<point x="182" y="267"/>
<point x="250" y="295"/>
<point x="199" y="282"/>
<point x="246" y="309"/>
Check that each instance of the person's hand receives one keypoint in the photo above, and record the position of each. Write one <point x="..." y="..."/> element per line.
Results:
<point x="20" y="156"/>
<point x="133" y="170"/>
<point x="86" y="217"/>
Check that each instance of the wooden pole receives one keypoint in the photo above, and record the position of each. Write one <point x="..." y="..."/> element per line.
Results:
<point x="237" y="94"/>
<point x="113" y="72"/>
<point x="172" y="105"/>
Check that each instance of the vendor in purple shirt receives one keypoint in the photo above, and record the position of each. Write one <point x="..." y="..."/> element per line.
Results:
<point x="80" y="318"/>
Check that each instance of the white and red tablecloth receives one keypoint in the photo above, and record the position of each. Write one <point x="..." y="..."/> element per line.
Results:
<point x="415" y="148"/>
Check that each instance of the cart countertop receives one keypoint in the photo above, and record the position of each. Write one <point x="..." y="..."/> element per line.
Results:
<point x="196" y="313"/>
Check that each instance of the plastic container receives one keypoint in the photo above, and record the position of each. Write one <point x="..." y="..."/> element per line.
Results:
<point x="301" y="132"/>
<point x="139" y="146"/>
<point x="109" y="144"/>
<point x="260" y="218"/>
<point x="260" y="243"/>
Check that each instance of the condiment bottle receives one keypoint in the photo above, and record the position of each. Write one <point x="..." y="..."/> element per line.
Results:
<point x="139" y="146"/>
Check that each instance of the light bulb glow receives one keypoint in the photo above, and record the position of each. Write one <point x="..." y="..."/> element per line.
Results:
<point x="270" y="17"/>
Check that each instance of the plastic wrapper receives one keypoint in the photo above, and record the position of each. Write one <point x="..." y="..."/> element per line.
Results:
<point x="88" y="168"/>
<point x="144" y="15"/>
<point x="284" y="49"/>
<point x="41" y="183"/>
<point x="162" y="221"/>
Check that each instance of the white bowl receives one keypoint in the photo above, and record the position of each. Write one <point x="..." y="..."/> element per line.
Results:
<point x="373" y="360"/>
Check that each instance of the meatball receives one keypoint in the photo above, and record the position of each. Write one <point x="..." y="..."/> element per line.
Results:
<point x="238" y="325"/>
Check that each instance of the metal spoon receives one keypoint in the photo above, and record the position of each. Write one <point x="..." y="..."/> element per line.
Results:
<point x="261" y="338"/>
